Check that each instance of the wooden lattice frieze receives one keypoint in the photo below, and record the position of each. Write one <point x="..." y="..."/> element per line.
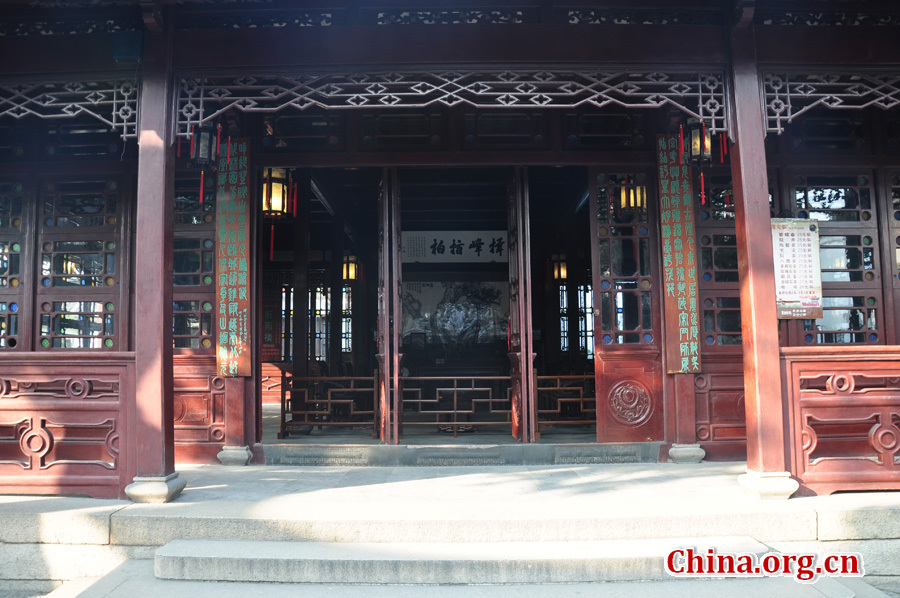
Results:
<point x="817" y="18"/>
<point x="788" y="95"/>
<point x="451" y="17"/>
<point x="114" y="103"/>
<point x="222" y="18"/>
<point x="623" y="16"/>
<point x="698" y="94"/>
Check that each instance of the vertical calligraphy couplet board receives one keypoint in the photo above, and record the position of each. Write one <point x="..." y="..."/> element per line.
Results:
<point x="232" y="263"/>
<point x="798" y="272"/>
<point x="676" y="210"/>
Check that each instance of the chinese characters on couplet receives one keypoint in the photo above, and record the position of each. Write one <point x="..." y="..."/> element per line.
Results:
<point x="232" y="264"/>
<point x="798" y="273"/>
<point x="679" y="259"/>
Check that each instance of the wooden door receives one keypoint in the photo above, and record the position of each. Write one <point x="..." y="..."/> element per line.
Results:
<point x="627" y="316"/>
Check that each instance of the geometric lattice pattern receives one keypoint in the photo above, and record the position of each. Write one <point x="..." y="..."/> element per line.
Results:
<point x="790" y="95"/>
<point x="114" y="103"/>
<point x="701" y="95"/>
<point x="449" y="17"/>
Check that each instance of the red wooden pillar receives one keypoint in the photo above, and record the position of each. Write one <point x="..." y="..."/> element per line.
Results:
<point x="766" y="460"/>
<point x="152" y="428"/>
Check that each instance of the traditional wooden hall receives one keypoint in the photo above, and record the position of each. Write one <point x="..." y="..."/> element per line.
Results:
<point x="423" y="222"/>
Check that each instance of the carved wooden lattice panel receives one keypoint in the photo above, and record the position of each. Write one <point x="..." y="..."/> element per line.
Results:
<point x="844" y="412"/>
<point x="61" y="421"/>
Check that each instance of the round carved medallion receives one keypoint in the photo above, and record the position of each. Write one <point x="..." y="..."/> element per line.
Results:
<point x="36" y="441"/>
<point x="629" y="402"/>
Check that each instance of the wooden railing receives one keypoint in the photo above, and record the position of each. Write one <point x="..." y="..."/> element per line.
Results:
<point x="326" y="401"/>
<point x="64" y="423"/>
<point x="566" y="400"/>
<point x="843" y="414"/>
<point x="456" y="403"/>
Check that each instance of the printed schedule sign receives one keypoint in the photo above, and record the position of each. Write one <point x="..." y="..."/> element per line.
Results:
<point x="798" y="273"/>
<point x="232" y="263"/>
<point x="454" y="246"/>
<point x="676" y="207"/>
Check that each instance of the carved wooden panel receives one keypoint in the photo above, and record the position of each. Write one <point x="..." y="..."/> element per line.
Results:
<point x="844" y="417"/>
<point x="721" y="418"/>
<point x="199" y="408"/>
<point x="61" y="421"/>
<point x="630" y="397"/>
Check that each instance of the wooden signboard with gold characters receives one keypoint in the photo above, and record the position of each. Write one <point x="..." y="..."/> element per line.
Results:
<point x="676" y="207"/>
<point x="232" y="262"/>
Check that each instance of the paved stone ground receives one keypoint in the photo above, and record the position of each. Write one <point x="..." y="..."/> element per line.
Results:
<point x="618" y="500"/>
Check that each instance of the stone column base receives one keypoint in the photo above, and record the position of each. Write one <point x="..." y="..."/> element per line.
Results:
<point x="686" y="453"/>
<point x="769" y="484"/>
<point x="234" y="455"/>
<point x="156" y="490"/>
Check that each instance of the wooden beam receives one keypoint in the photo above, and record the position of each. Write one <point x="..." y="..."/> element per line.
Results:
<point x="831" y="46"/>
<point x="59" y="54"/>
<point x="329" y="47"/>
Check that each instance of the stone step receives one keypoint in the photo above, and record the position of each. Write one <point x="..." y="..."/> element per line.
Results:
<point x="357" y="455"/>
<point x="379" y="522"/>
<point x="429" y="563"/>
<point x="136" y="579"/>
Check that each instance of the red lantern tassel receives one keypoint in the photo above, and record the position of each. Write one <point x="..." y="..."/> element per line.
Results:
<point x="727" y="200"/>
<point x="201" y="187"/>
<point x="218" y="138"/>
<point x="229" y="149"/>
<point x="178" y="153"/>
<point x="295" y="200"/>
<point x="721" y="148"/>
<point x="725" y="143"/>
<point x="702" y="190"/>
<point x="192" y="143"/>
<point x="269" y="187"/>
<point x="272" y="244"/>
<point x="681" y="144"/>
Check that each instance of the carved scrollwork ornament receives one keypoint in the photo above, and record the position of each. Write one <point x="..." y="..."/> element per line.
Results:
<point x="629" y="402"/>
<point x="36" y="442"/>
<point x="78" y="388"/>
<point x="885" y="439"/>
